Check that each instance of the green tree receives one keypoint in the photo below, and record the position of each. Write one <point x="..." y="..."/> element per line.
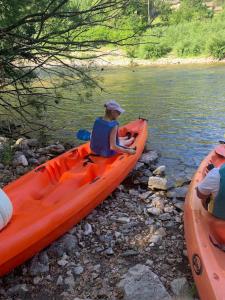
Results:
<point x="42" y="46"/>
<point x="191" y="10"/>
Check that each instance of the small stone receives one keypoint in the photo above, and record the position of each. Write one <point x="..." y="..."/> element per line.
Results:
<point x="78" y="270"/>
<point x="109" y="251"/>
<point x="33" y="161"/>
<point x="20" y="160"/>
<point x="179" y="286"/>
<point x="154" y="211"/>
<point x="69" y="281"/>
<point x="157" y="183"/>
<point x="160" y="171"/>
<point x="39" y="264"/>
<point x="181" y="192"/>
<point x="123" y="220"/>
<point x="62" y="262"/>
<point x="179" y="205"/>
<point x="139" y="166"/>
<point x="149" y="157"/>
<point x="88" y="229"/>
<point x="130" y="253"/>
<point x="149" y="262"/>
<point x="165" y="217"/>
<point x="59" y="280"/>
<point x="145" y="195"/>
<point x="170" y="194"/>
<point x="20" y="170"/>
<point x="36" y="280"/>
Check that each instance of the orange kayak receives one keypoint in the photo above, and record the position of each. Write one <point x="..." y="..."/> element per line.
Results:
<point x="201" y="231"/>
<point x="55" y="196"/>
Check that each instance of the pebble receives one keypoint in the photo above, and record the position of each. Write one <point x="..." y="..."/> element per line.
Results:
<point x="123" y="220"/>
<point x="78" y="270"/>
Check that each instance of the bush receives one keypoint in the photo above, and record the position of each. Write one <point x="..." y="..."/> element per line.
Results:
<point x="154" y="50"/>
<point x="217" y="48"/>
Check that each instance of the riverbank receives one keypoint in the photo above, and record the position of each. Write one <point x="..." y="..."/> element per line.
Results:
<point x="118" y="58"/>
<point x="136" y="233"/>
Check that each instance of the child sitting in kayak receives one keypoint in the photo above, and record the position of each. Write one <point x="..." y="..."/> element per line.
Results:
<point x="104" y="137"/>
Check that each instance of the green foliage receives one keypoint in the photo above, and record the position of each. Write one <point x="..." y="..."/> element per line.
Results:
<point x="6" y="153"/>
<point x="153" y="50"/>
<point x="190" y="10"/>
<point x="217" y="47"/>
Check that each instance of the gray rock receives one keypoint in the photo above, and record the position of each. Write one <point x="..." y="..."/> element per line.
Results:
<point x="157" y="183"/>
<point x="20" y="160"/>
<point x="55" y="250"/>
<point x="56" y="149"/>
<point x="39" y="264"/>
<point x="62" y="262"/>
<point x="87" y="229"/>
<point x="130" y="253"/>
<point x="179" y="205"/>
<point x="59" y="280"/>
<point x="109" y="251"/>
<point x="181" y="192"/>
<point x="20" y="170"/>
<point x="182" y="181"/>
<point x="165" y="217"/>
<point x="149" y="157"/>
<point x="18" y="290"/>
<point x="33" y="161"/>
<point x="70" y="281"/>
<point x="69" y="243"/>
<point x="170" y="194"/>
<point x="180" y="287"/>
<point x="78" y="270"/>
<point x="155" y="211"/>
<point x="141" y="283"/>
<point x="32" y="142"/>
<point x="139" y="166"/>
<point x="123" y="220"/>
<point x="160" y="171"/>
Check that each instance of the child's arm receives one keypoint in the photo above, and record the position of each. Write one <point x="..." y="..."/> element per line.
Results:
<point x="115" y="147"/>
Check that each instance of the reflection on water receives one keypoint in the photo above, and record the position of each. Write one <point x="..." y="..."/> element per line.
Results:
<point x="185" y="106"/>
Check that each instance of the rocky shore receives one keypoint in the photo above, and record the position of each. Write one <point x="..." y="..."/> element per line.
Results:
<point x="130" y="247"/>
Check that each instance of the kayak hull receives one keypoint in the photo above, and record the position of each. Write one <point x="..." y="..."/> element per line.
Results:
<point x="201" y="228"/>
<point x="55" y="196"/>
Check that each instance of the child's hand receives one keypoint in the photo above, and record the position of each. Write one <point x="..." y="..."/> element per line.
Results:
<point x="132" y="151"/>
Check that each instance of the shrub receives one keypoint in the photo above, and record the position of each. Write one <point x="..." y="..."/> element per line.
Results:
<point x="153" y="50"/>
<point x="217" y="48"/>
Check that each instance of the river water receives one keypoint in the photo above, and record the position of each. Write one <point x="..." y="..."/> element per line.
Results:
<point x="185" y="106"/>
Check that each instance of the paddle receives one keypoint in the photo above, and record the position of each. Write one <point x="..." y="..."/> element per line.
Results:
<point x="83" y="135"/>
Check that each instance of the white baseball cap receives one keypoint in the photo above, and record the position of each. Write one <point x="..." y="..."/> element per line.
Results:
<point x="113" y="105"/>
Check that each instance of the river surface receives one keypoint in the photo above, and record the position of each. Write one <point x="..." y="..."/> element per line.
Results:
<point x="185" y="106"/>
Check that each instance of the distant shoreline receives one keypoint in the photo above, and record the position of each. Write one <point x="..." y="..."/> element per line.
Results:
<point x="116" y="58"/>
<point x="107" y="61"/>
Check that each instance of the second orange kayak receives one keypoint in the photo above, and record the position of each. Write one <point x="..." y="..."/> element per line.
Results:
<point x="201" y="229"/>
